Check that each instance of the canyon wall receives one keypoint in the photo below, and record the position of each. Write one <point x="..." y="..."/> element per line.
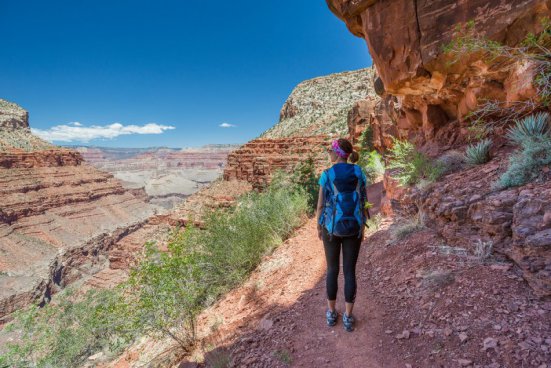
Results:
<point x="168" y="175"/>
<point x="320" y="106"/>
<point x="406" y="41"/>
<point x="59" y="216"/>
<point x="257" y="160"/>
<point x="426" y="96"/>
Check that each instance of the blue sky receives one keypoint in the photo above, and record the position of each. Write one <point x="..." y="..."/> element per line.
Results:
<point x="178" y="69"/>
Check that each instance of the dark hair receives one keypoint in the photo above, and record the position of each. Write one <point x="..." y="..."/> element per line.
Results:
<point x="346" y="146"/>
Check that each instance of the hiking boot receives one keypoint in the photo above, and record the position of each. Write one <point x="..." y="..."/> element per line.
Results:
<point x="348" y="322"/>
<point x="331" y="318"/>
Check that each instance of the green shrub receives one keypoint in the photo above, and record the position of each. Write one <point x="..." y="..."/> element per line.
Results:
<point x="366" y="140"/>
<point x="412" y="166"/>
<point x="166" y="290"/>
<point x="451" y="161"/>
<point x="477" y="154"/>
<point x="65" y="333"/>
<point x="304" y="176"/>
<point x="533" y="135"/>
<point x="373" y="165"/>
<point x="533" y="127"/>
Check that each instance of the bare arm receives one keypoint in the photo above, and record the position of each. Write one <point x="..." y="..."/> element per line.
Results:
<point x="366" y="201"/>
<point x="319" y="209"/>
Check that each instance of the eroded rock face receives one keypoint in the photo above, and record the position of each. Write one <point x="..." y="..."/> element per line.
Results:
<point x="12" y="116"/>
<point x="59" y="217"/>
<point x="257" y="160"/>
<point x="381" y="116"/>
<point x="517" y="221"/>
<point x="406" y="40"/>
<point x="320" y="106"/>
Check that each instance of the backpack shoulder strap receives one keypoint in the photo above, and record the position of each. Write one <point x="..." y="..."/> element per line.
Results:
<point x="331" y="175"/>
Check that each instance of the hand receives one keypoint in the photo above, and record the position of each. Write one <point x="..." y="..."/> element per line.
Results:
<point x="320" y="237"/>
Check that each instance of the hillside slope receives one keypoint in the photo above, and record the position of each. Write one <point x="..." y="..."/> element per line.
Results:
<point x="320" y="106"/>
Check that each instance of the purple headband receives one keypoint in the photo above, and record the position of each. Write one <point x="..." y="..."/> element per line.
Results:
<point x="338" y="150"/>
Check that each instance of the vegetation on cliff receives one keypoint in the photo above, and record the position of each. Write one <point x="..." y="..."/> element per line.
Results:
<point x="321" y="105"/>
<point x="15" y="132"/>
<point x="533" y="135"/>
<point x="166" y="290"/>
<point x="412" y="166"/>
<point x="532" y="54"/>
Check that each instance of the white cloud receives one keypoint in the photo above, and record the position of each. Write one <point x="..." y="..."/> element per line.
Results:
<point x="77" y="132"/>
<point x="227" y="125"/>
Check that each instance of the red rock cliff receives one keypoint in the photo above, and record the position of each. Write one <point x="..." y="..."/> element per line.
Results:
<point x="258" y="159"/>
<point x="424" y="99"/>
<point x="406" y="39"/>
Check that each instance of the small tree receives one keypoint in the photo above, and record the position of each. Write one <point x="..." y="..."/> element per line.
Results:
<point x="304" y="176"/>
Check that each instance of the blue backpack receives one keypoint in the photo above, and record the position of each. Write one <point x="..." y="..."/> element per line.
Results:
<point x="345" y="198"/>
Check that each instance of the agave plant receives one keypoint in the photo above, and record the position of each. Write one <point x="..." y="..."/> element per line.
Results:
<point x="477" y="154"/>
<point x="531" y="127"/>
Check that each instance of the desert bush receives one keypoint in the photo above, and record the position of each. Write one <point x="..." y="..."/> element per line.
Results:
<point x="525" y="165"/>
<point x="304" y="176"/>
<point x="406" y="226"/>
<point x="533" y="127"/>
<point x="373" y="224"/>
<point x="166" y="290"/>
<point x="477" y="154"/>
<point x="366" y="139"/>
<point x="451" y="161"/>
<point x="533" y="135"/>
<point x="412" y="166"/>
<point x="483" y="250"/>
<point x="65" y="333"/>
<point x="373" y="165"/>
<point x="477" y="128"/>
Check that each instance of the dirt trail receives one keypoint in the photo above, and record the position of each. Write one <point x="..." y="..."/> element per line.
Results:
<point x="415" y="307"/>
<point x="277" y="318"/>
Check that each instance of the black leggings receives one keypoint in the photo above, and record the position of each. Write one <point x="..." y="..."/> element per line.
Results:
<point x="350" y="251"/>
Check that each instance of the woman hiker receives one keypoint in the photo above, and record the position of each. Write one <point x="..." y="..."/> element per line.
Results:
<point x="341" y="218"/>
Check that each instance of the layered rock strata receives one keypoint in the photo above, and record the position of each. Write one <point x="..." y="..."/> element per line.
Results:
<point x="167" y="175"/>
<point x="59" y="217"/>
<point x="257" y="160"/>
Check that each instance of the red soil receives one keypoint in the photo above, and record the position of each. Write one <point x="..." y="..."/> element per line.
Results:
<point x="416" y="307"/>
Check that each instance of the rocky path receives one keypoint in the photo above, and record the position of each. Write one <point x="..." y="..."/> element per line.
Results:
<point x="277" y="318"/>
<point x="291" y="330"/>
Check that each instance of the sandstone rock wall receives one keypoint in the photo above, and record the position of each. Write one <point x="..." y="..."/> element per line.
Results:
<point x="406" y="39"/>
<point x="517" y="221"/>
<point x="255" y="161"/>
<point x="426" y="99"/>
